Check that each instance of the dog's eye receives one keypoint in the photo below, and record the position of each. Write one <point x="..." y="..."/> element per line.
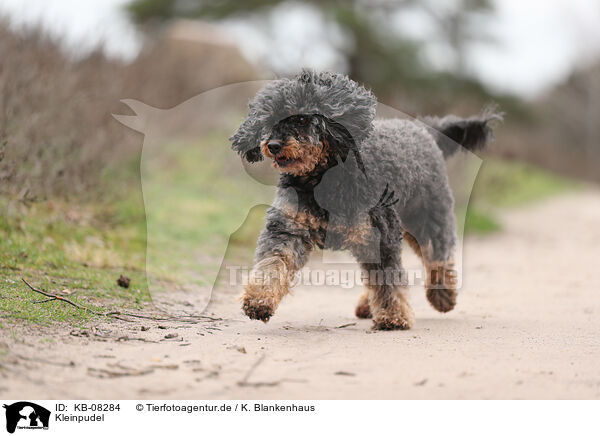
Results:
<point x="303" y="121"/>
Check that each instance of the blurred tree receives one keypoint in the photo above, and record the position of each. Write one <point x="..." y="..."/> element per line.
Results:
<point x="378" y="52"/>
<point x="378" y="49"/>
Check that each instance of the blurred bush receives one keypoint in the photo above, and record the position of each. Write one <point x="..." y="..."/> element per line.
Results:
<point x="55" y="123"/>
<point x="57" y="134"/>
<point x="564" y="133"/>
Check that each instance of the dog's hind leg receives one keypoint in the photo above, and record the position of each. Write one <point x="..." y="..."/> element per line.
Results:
<point x="441" y="285"/>
<point x="434" y="245"/>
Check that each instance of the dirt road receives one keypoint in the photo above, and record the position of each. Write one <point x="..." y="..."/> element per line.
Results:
<point x="527" y="325"/>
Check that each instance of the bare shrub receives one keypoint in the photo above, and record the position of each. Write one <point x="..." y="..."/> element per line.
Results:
<point x="57" y="135"/>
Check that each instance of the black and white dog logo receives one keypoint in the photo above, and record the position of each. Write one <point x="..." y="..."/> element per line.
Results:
<point x="26" y="415"/>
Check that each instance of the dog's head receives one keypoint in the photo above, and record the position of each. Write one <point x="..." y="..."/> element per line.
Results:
<point x="301" y="143"/>
<point x="302" y="122"/>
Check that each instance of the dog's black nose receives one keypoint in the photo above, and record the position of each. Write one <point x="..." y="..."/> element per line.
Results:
<point x="274" y="146"/>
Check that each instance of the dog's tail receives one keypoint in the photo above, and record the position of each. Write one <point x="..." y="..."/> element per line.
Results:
<point x="473" y="133"/>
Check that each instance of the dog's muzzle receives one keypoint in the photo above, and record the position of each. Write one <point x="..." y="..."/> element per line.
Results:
<point x="274" y="146"/>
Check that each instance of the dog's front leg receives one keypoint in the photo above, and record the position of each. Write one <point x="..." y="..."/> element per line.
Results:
<point x="283" y="249"/>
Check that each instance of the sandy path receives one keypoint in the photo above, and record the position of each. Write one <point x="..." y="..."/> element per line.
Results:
<point x="527" y="325"/>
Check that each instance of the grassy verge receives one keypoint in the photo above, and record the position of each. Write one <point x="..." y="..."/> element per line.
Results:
<point x="78" y="248"/>
<point x="501" y="184"/>
<point x="68" y="250"/>
<point x="196" y="197"/>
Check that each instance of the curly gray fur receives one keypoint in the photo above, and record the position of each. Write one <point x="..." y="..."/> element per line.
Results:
<point x="330" y="94"/>
<point x="396" y="186"/>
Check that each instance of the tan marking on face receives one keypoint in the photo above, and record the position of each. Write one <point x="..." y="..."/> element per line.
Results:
<point x="306" y="155"/>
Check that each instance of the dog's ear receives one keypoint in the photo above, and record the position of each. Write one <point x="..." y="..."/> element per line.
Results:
<point x="340" y="140"/>
<point x="246" y="139"/>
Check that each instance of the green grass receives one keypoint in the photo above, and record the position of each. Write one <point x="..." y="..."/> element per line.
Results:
<point x="502" y="184"/>
<point x="480" y="222"/>
<point x="196" y="197"/>
<point x="65" y="250"/>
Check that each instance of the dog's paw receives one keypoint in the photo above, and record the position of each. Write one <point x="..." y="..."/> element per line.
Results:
<point x="363" y="308"/>
<point x="258" y="309"/>
<point x="397" y="322"/>
<point x="441" y="291"/>
<point x="442" y="300"/>
<point x="402" y="318"/>
<point x="363" y="311"/>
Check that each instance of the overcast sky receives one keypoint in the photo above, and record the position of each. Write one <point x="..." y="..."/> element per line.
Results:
<point x="538" y="41"/>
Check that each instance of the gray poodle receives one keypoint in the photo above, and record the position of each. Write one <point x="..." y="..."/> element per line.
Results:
<point x="350" y="182"/>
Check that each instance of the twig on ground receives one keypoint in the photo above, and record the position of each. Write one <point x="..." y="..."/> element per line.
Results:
<point x="49" y="362"/>
<point x="194" y="319"/>
<point x="53" y="297"/>
<point x="346" y="373"/>
<point x="245" y="383"/>
<point x="107" y="373"/>
<point x="128" y="338"/>
<point x="343" y="326"/>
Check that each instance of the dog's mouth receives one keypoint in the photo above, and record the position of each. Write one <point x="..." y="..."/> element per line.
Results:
<point x="283" y="161"/>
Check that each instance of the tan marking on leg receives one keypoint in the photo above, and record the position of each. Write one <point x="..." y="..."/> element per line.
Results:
<point x="268" y="283"/>
<point x="441" y="277"/>
<point x="441" y="283"/>
<point x="363" y="309"/>
<point x="390" y="307"/>
<point x="412" y="242"/>
<point x="393" y="313"/>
